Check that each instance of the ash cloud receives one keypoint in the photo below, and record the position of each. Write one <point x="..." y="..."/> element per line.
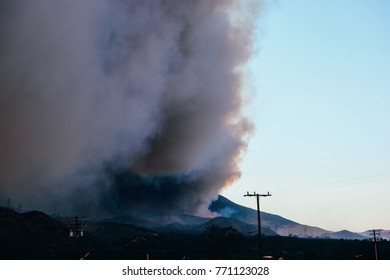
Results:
<point x="108" y="105"/>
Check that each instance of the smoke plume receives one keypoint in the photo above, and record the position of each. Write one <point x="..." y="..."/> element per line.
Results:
<point x="109" y="105"/>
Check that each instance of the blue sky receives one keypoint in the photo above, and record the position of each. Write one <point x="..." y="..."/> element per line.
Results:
<point x="322" y="114"/>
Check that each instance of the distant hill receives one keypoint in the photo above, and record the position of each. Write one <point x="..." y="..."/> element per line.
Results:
<point x="227" y="208"/>
<point x="14" y="225"/>
<point x="344" y="234"/>
<point x="221" y="222"/>
<point x="149" y="219"/>
<point x="31" y="235"/>
<point x="145" y="224"/>
<point x="278" y="224"/>
<point x="384" y="234"/>
<point x="170" y="222"/>
<point x="240" y="226"/>
<point x="118" y="231"/>
<point x="36" y="235"/>
<point x="230" y="214"/>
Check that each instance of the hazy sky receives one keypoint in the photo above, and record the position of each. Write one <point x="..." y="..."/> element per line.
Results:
<point x="322" y="114"/>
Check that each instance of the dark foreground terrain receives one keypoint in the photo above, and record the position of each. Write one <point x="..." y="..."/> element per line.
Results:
<point x="35" y="235"/>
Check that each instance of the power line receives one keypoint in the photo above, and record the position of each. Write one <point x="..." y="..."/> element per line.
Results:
<point x="365" y="179"/>
<point x="342" y="205"/>
<point x="258" y="217"/>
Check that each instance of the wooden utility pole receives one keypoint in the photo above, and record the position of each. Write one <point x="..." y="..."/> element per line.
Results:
<point x="375" y="233"/>
<point x="76" y="231"/>
<point x="258" y="217"/>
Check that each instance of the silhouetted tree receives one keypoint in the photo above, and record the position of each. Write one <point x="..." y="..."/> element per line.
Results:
<point x="223" y="242"/>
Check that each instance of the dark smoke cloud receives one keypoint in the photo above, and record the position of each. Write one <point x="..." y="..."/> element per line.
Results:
<point x="106" y="105"/>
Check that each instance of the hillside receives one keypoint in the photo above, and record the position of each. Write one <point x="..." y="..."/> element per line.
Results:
<point x="36" y="235"/>
<point x="278" y="224"/>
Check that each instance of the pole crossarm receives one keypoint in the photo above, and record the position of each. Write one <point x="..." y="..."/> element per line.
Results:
<point x="256" y="194"/>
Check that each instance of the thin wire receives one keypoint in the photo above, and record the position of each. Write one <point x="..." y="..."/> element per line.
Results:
<point x="344" y="204"/>
<point x="365" y="179"/>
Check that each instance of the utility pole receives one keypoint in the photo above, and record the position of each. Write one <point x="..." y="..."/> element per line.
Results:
<point x="375" y="233"/>
<point x="258" y="217"/>
<point x="76" y="230"/>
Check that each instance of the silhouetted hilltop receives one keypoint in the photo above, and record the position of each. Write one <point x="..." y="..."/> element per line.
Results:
<point x="36" y="235"/>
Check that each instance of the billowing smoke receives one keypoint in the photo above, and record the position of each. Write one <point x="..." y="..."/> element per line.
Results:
<point x="108" y="105"/>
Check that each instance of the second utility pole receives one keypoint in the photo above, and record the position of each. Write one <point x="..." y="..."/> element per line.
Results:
<point x="375" y="233"/>
<point x="258" y="217"/>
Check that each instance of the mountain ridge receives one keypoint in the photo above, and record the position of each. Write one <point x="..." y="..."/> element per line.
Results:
<point x="225" y="213"/>
<point x="281" y="225"/>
